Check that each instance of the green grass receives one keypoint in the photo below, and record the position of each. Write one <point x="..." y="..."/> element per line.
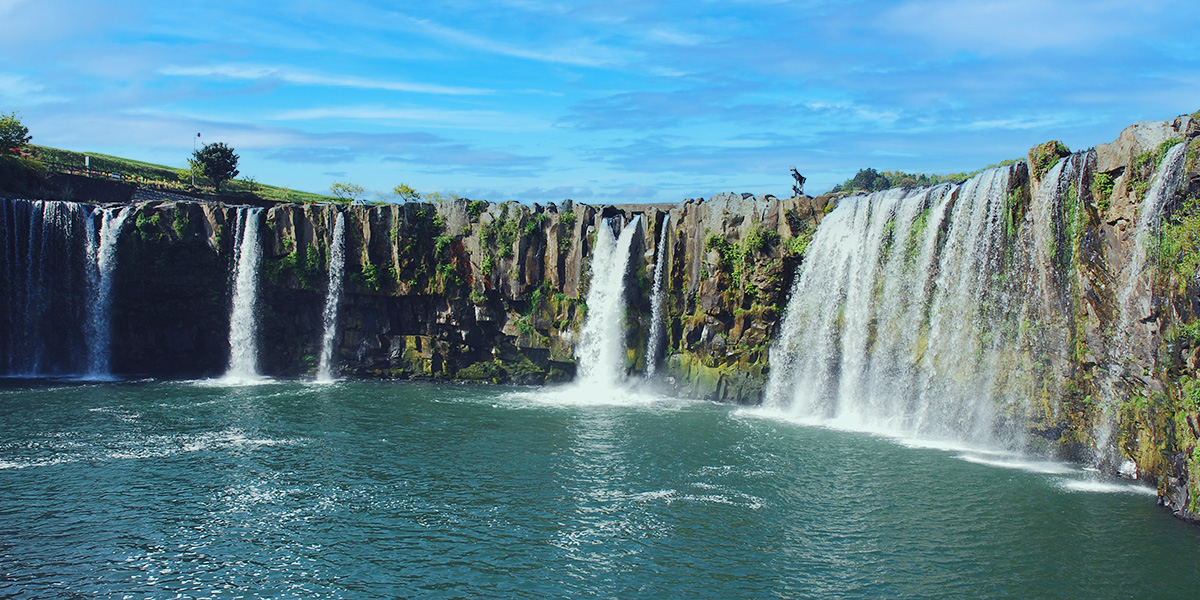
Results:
<point x="173" y="177"/>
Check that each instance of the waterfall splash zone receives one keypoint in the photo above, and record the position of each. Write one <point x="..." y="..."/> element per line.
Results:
<point x="99" y="326"/>
<point x="333" y="298"/>
<point x="916" y="312"/>
<point x="54" y="280"/>
<point x="243" y="320"/>
<point x="385" y="490"/>
<point x="600" y="353"/>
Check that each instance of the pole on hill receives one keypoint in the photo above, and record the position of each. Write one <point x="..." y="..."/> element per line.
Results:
<point x="193" y="158"/>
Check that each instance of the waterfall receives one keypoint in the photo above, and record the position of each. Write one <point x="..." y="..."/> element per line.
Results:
<point x="656" y="301"/>
<point x="243" y="323"/>
<point x="45" y="283"/>
<point x="333" y="297"/>
<point x="910" y="315"/>
<point x="601" y="350"/>
<point x="1134" y="297"/>
<point x="103" y="253"/>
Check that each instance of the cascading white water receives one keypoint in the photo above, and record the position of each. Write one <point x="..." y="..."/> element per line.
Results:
<point x="654" y="341"/>
<point x="243" y="322"/>
<point x="333" y="298"/>
<point x="102" y="250"/>
<point x="44" y="287"/>
<point x="1133" y="304"/>
<point x="600" y="352"/>
<point x="1134" y="296"/>
<point x="905" y="318"/>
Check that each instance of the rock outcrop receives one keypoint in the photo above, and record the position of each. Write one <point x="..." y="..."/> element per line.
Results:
<point x="461" y="289"/>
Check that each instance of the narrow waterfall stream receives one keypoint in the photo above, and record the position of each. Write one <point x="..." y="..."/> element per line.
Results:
<point x="601" y="348"/>
<point x="1133" y="298"/>
<point x="333" y="298"/>
<point x="243" y="322"/>
<point x="654" y="341"/>
<point x="100" y="310"/>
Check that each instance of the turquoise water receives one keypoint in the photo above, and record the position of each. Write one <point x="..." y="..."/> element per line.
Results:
<point x="365" y="490"/>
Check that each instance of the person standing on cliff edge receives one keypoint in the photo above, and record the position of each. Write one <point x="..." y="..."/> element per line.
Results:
<point x="798" y="187"/>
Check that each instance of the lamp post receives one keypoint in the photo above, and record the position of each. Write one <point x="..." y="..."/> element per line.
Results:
<point x="190" y="167"/>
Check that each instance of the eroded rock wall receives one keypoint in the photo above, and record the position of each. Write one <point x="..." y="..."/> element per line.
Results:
<point x="461" y="289"/>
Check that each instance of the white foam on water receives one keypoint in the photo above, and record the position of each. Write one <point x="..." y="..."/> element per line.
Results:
<point x="233" y="381"/>
<point x="576" y="395"/>
<point x="1021" y="464"/>
<point x="1092" y="486"/>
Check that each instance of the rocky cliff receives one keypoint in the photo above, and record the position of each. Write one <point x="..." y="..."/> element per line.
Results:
<point x="461" y="289"/>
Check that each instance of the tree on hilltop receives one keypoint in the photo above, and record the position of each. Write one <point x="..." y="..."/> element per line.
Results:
<point x="406" y="193"/>
<point x="13" y="135"/>
<point x="348" y="193"/>
<point x="217" y="162"/>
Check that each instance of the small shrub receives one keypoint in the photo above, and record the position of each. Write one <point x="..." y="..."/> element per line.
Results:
<point x="441" y="241"/>
<point x="1102" y="189"/>
<point x="475" y="208"/>
<point x="1043" y="157"/>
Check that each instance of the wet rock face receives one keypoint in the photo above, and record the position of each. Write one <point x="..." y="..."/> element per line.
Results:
<point x="462" y="289"/>
<point x="731" y="260"/>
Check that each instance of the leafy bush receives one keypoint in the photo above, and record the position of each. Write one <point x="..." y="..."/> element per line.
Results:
<point x="1178" y="244"/>
<point x="13" y="135"/>
<point x="1102" y="189"/>
<point x="1043" y="157"/>
<point x="475" y="208"/>
<point x="440" y="242"/>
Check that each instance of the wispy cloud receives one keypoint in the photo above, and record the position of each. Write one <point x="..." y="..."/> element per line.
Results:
<point x="482" y="120"/>
<point x="576" y="52"/>
<point x="461" y="158"/>
<point x="298" y="77"/>
<point x="18" y="90"/>
<point x="555" y="194"/>
<point x="995" y="27"/>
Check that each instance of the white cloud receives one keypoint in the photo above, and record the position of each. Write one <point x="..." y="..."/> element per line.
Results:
<point x="580" y="53"/>
<point x="997" y="27"/>
<point x="486" y="120"/>
<point x="6" y="6"/>
<point x="285" y="74"/>
<point x="673" y="38"/>
<point x="20" y="90"/>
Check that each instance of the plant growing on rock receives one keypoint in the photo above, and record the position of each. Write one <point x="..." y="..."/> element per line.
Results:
<point x="1043" y="157"/>
<point x="475" y="208"/>
<point x="1102" y="189"/>
<point x="1178" y="245"/>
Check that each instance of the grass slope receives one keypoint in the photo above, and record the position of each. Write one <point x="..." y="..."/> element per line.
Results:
<point x="170" y="176"/>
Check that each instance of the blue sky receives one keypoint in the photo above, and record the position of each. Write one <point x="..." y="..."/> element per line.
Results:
<point x="616" y="101"/>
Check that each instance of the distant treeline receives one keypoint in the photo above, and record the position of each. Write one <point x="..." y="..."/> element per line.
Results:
<point x="870" y="180"/>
